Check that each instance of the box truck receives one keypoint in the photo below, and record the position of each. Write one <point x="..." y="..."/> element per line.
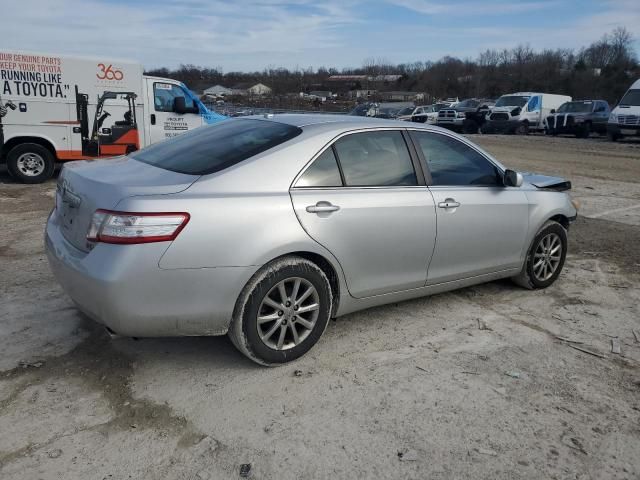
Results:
<point x="56" y="108"/>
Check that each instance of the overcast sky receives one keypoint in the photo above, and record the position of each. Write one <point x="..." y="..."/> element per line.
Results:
<point x="254" y="34"/>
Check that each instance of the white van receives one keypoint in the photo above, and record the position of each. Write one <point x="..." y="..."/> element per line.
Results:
<point x="55" y="108"/>
<point x="624" y="120"/>
<point x="522" y="112"/>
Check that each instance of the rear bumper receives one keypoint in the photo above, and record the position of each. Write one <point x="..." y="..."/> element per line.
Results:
<point x="123" y="288"/>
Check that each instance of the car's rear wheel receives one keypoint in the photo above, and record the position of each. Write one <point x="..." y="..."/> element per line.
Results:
<point x="30" y="163"/>
<point x="282" y="312"/>
<point x="545" y="257"/>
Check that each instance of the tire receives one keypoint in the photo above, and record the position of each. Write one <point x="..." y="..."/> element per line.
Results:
<point x="613" y="137"/>
<point x="585" y="131"/>
<point x="530" y="277"/>
<point x="30" y="163"/>
<point x="257" y="298"/>
<point x="522" y="129"/>
<point x="469" y="127"/>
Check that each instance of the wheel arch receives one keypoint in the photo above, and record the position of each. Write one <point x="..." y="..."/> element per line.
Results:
<point x="13" y="142"/>
<point x="329" y="270"/>
<point x="561" y="219"/>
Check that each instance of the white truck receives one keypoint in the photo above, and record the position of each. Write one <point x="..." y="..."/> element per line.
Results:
<point x="55" y="108"/>
<point x="624" y="120"/>
<point x="521" y="112"/>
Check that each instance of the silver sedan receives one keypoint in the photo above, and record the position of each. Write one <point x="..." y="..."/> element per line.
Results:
<point x="264" y="228"/>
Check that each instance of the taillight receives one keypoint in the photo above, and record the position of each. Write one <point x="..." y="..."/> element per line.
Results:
<point x="126" y="227"/>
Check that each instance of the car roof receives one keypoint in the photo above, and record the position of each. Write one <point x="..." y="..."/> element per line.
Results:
<point x="338" y="121"/>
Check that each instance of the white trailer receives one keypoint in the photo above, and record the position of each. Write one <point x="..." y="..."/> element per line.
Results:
<point x="55" y="108"/>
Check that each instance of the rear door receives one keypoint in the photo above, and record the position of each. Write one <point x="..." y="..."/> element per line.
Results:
<point x="482" y="225"/>
<point x="364" y="201"/>
<point x="164" y="122"/>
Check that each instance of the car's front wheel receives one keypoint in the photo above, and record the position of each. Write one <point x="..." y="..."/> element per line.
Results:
<point x="282" y="312"/>
<point x="545" y="257"/>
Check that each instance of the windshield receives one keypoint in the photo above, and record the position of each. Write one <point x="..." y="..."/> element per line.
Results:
<point x="512" y="101"/>
<point x="360" y="110"/>
<point x="406" y="111"/>
<point x="631" y="99"/>
<point x="439" y="106"/>
<point x="467" y="104"/>
<point x="575" y="107"/>
<point x="209" y="149"/>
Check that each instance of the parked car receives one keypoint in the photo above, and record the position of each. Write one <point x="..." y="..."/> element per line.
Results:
<point x="266" y="227"/>
<point x="467" y="116"/>
<point x="408" y="112"/>
<point x="624" y="120"/>
<point x="579" y="118"/>
<point x="429" y="114"/>
<point x="522" y="112"/>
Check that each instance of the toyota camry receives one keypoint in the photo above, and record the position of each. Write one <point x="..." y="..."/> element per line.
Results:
<point x="264" y="228"/>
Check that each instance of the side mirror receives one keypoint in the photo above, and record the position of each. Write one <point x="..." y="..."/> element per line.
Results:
<point x="180" y="106"/>
<point x="553" y="110"/>
<point x="512" y="178"/>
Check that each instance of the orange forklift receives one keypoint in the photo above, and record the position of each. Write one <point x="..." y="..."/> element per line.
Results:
<point x="119" y="139"/>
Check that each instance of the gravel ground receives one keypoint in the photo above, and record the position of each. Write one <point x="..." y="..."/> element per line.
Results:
<point x="480" y="383"/>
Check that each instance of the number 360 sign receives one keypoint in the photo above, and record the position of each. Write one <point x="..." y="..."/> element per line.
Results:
<point x="107" y="72"/>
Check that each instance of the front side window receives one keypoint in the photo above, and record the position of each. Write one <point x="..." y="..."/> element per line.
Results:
<point x="324" y="172"/>
<point x="372" y="159"/>
<point x="534" y="104"/>
<point x="212" y="148"/>
<point x="164" y="94"/>
<point x="452" y="162"/>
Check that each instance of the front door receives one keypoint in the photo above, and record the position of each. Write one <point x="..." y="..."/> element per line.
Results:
<point x="482" y="225"/>
<point x="362" y="200"/>
<point x="164" y="121"/>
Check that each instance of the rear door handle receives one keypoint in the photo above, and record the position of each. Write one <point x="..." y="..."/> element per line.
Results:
<point x="322" y="207"/>
<point x="153" y="119"/>
<point x="449" y="203"/>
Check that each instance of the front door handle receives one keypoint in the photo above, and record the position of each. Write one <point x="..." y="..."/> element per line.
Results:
<point x="449" y="203"/>
<point x="322" y="207"/>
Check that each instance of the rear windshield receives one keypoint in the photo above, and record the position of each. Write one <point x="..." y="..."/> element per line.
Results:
<point x="213" y="148"/>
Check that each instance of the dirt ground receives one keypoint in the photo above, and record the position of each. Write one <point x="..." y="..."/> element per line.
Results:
<point x="480" y="383"/>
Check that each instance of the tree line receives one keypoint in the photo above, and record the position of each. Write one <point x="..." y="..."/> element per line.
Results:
<point x="604" y="70"/>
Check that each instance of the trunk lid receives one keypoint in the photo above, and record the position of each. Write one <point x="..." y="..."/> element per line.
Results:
<point x="86" y="186"/>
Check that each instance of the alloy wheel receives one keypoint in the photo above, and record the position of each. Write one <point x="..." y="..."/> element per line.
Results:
<point x="547" y="256"/>
<point x="288" y="313"/>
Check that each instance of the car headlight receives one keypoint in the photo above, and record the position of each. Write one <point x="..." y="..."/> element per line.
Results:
<point x="613" y="118"/>
<point x="460" y="115"/>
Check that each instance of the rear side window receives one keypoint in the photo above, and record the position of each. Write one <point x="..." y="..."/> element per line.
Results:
<point x="324" y="172"/>
<point x="451" y="162"/>
<point x="213" y="148"/>
<point x="374" y="159"/>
